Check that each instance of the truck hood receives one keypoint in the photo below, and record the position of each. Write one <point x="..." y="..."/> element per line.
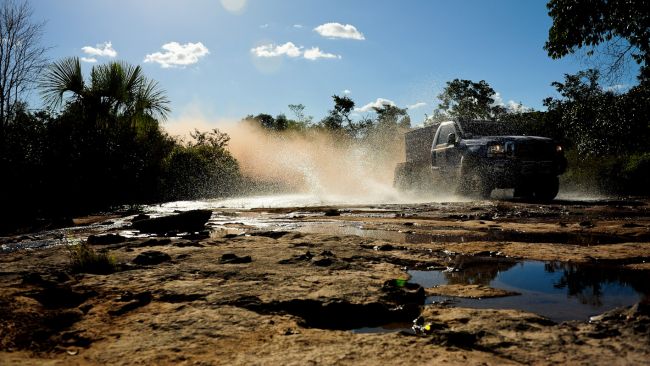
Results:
<point x="484" y="140"/>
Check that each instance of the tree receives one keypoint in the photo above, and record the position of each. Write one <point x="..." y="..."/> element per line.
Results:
<point x="335" y="119"/>
<point x="21" y="55"/>
<point x="469" y="100"/>
<point x="392" y="116"/>
<point x="620" y="27"/>
<point x="597" y="121"/>
<point x="298" y="111"/>
<point x="116" y="90"/>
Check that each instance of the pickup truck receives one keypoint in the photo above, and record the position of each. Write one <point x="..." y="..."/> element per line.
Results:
<point x="475" y="157"/>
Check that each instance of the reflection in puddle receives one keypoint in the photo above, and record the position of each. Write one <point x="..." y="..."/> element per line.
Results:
<point x="556" y="290"/>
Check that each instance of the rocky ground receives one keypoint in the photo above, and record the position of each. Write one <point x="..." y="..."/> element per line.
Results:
<point x="302" y="288"/>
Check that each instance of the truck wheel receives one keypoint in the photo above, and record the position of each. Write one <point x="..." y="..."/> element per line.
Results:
<point x="524" y="190"/>
<point x="472" y="184"/>
<point x="547" y="188"/>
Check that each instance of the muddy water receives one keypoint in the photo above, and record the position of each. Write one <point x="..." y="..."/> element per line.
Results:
<point x="556" y="290"/>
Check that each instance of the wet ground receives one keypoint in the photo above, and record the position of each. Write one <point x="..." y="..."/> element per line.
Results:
<point x="327" y="282"/>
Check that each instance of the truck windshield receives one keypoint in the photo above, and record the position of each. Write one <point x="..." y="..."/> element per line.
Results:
<point x="487" y="128"/>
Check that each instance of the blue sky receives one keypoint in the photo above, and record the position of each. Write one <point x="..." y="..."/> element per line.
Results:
<point x="227" y="63"/>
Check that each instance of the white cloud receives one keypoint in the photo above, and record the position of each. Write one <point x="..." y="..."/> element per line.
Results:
<point x="346" y="91"/>
<point x="178" y="55"/>
<point x="271" y="50"/>
<point x="315" y="53"/>
<point x="234" y="6"/>
<point x="376" y="104"/>
<point x="298" y="26"/>
<point x="498" y="101"/>
<point x="91" y="60"/>
<point x="102" y="49"/>
<point x="416" y="105"/>
<point x="517" y="107"/>
<point x="338" y="30"/>
<point x="264" y="26"/>
<point x="289" y="49"/>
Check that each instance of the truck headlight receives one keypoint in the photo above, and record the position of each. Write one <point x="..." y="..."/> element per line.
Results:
<point x="496" y="150"/>
<point x="559" y="149"/>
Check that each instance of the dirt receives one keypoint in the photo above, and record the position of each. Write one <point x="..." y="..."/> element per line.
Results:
<point x="296" y="292"/>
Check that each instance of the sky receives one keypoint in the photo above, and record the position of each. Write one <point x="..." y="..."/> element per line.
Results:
<point x="221" y="60"/>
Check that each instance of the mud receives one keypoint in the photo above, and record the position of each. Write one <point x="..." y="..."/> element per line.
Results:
<point x="336" y="284"/>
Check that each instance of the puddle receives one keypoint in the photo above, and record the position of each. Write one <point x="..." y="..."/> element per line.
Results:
<point x="556" y="290"/>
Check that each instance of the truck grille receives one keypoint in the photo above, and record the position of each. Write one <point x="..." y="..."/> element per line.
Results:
<point x="534" y="150"/>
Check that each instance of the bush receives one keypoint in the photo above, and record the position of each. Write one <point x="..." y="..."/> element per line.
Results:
<point x="84" y="259"/>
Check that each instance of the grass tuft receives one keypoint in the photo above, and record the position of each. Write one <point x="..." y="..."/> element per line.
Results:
<point x="84" y="259"/>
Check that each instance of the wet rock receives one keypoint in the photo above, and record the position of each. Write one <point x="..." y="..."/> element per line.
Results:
<point x="298" y="258"/>
<point x="332" y="212"/>
<point x="189" y="221"/>
<point x="332" y="314"/>
<point x="402" y="292"/>
<point x="137" y="300"/>
<point x="204" y="234"/>
<point x="186" y="244"/>
<point x="270" y="234"/>
<point x="151" y="257"/>
<point x="323" y="262"/>
<point x="384" y="247"/>
<point x="140" y="217"/>
<point x="154" y="242"/>
<point x="586" y="224"/>
<point x="231" y="258"/>
<point x="327" y="253"/>
<point x="106" y="239"/>
<point x="631" y="224"/>
<point x="59" y="297"/>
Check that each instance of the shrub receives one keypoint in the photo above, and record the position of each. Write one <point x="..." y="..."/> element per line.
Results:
<point x="84" y="259"/>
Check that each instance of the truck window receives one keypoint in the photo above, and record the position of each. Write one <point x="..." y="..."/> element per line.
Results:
<point x="445" y="130"/>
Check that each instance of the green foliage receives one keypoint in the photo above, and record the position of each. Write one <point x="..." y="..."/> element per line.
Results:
<point x="116" y="89"/>
<point x="338" y="117"/>
<point x="201" y="168"/>
<point x="623" y="26"/>
<point x="469" y="100"/>
<point x="84" y="259"/>
<point x="599" y="122"/>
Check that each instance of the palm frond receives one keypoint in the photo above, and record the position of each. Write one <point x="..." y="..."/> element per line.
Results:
<point x="60" y="77"/>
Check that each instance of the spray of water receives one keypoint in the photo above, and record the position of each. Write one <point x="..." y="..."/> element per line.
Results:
<point x="318" y="167"/>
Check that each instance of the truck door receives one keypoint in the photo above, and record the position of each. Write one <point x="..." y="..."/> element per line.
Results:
<point x="444" y="154"/>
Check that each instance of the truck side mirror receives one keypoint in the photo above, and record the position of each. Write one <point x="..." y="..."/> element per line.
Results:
<point x="451" y="139"/>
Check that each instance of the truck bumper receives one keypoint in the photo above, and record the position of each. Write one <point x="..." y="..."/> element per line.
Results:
<point x="507" y="173"/>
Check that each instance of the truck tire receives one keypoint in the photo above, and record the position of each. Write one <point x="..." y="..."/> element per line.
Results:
<point x="547" y="188"/>
<point x="472" y="184"/>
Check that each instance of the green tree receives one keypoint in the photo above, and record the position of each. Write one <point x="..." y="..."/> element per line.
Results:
<point x="621" y="26"/>
<point x="469" y="100"/>
<point x="337" y="118"/>
<point x="116" y="90"/>
<point x="597" y="121"/>
<point x="389" y="116"/>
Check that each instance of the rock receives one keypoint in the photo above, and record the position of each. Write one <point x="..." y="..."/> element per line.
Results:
<point x="270" y="234"/>
<point x="188" y="221"/>
<point x="136" y="301"/>
<point x="332" y="212"/>
<point x="401" y="291"/>
<point x="151" y="257"/>
<point x="105" y="239"/>
<point x="232" y="258"/>
<point x="140" y="217"/>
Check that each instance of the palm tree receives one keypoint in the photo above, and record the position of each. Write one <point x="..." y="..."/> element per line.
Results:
<point x="116" y="89"/>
